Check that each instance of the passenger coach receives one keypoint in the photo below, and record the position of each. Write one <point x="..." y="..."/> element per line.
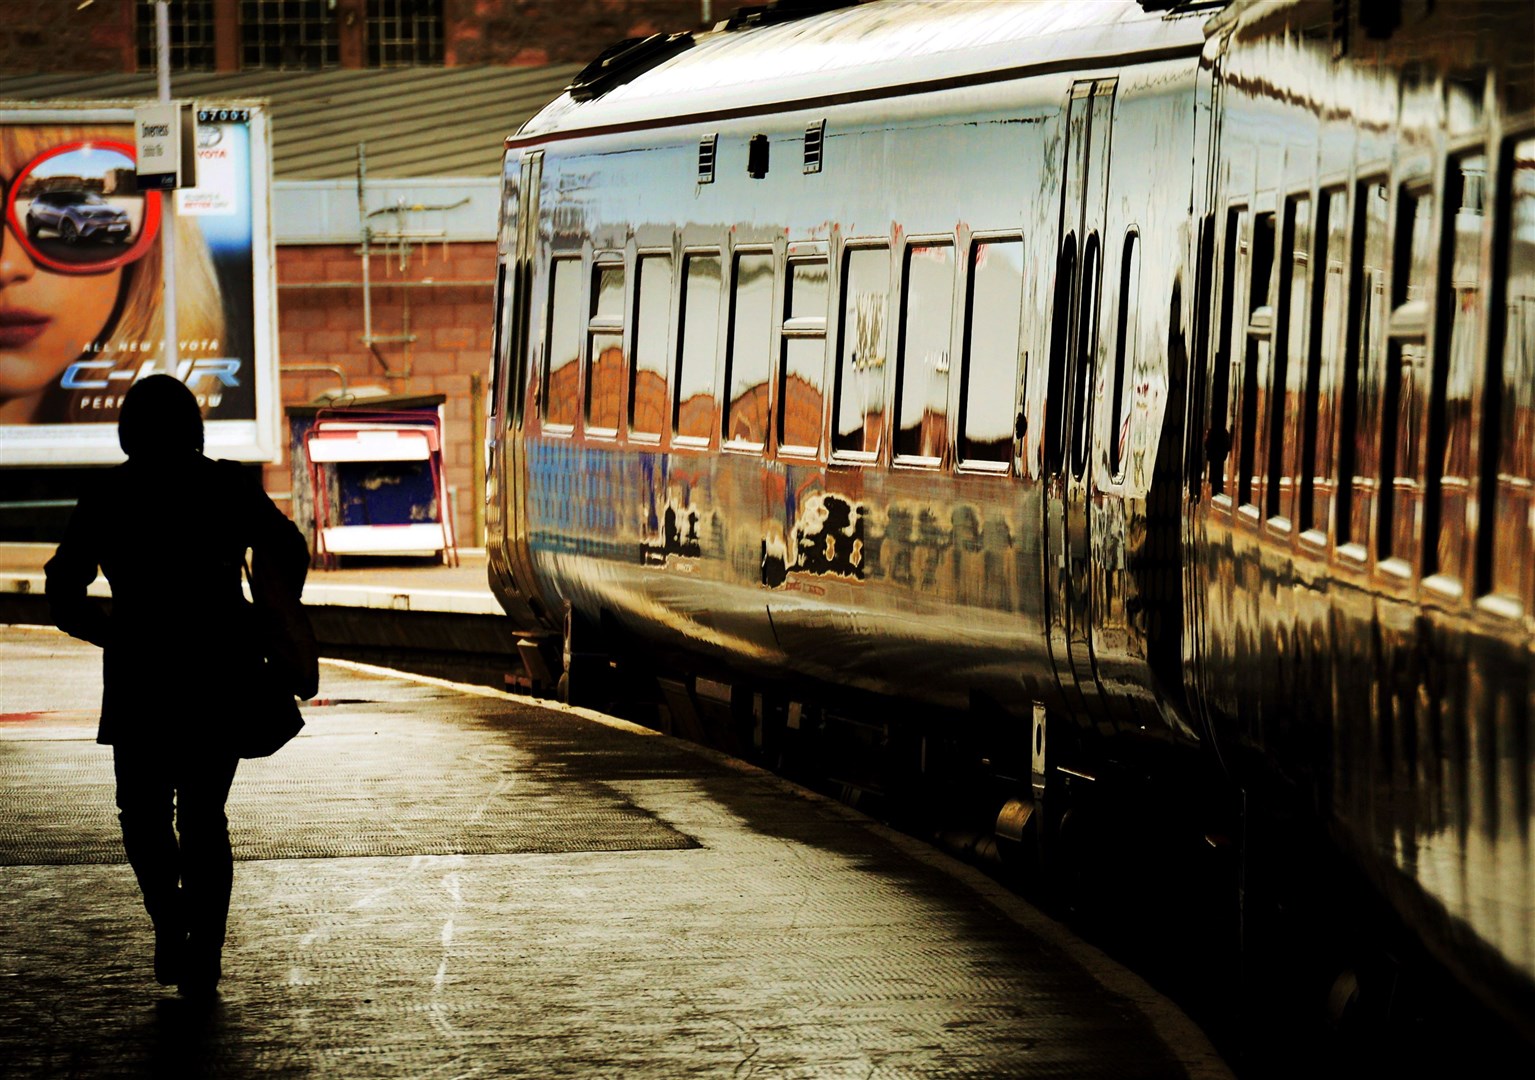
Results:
<point x="1119" y="398"/>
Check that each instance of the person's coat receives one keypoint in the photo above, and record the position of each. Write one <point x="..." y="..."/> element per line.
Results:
<point x="171" y="538"/>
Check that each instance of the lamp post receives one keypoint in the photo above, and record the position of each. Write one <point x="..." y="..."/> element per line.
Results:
<point x="171" y="347"/>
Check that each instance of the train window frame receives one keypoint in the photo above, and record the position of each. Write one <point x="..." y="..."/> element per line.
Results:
<point x="1197" y="356"/>
<point x="678" y="438"/>
<point x="801" y="328"/>
<point x="1085" y="348"/>
<point x="647" y="257"/>
<point x="1517" y="603"/>
<point x="606" y="326"/>
<point x="944" y="365"/>
<point x="1257" y="360"/>
<point x="1126" y="352"/>
<point x="498" y="341"/>
<point x="1062" y="322"/>
<point x="982" y="465"/>
<point x="845" y="358"/>
<point x="524" y="361"/>
<point x="1353" y="551"/>
<point x="1450" y="343"/>
<point x="1408" y="324"/>
<point x="1287" y="365"/>
<point x="1218" y="427"/>
<point x="728" y="401"/>
<point x="577" y="281"/>
<point x="1325" y="354"/>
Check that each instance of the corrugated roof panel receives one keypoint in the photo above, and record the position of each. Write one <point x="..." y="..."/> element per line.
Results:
<point x="426" y="122"/>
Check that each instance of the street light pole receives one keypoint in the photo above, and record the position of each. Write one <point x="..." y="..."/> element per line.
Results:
<point x="171" y="348"/>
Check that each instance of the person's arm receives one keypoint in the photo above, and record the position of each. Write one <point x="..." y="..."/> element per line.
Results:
<point x="279" y="552"/>
<point x="70" y="573"/>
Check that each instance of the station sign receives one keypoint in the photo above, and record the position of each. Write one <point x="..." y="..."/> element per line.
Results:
<point x="164" y="141"/>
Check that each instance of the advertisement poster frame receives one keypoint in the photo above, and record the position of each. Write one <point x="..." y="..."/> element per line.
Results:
<point x="67" y="359"/>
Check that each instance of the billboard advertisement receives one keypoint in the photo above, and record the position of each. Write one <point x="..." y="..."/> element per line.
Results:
<point x="82" y="287"/>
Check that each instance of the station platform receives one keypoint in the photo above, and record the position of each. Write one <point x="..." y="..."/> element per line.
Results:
<point x="415" y="614"/>
<point x="446" y="880"/>
<point x="393" y="585"/>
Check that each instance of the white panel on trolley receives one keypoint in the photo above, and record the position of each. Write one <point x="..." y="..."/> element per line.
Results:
<point x="378" y="445"/>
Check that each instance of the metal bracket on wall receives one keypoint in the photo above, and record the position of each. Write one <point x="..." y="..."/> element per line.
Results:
<point x="399" y="243"/>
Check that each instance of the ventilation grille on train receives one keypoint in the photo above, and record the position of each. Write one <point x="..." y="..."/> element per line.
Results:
<point x="815" y="134"/>
<point x="706" y="158"/>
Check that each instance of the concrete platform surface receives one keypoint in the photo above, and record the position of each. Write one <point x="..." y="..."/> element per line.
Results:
<point x="444" y="881"/>
<point x="395" y="584"/>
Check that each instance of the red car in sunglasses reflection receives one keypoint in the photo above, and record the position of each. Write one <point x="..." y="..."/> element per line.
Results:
<point x="76" y="216"/>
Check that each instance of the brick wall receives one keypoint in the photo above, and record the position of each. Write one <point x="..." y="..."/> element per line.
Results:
<point x="59" y="35"/>
<point x="320" y="321"/>
<point x="52" y="35"/>
<point x="561" y="31"/>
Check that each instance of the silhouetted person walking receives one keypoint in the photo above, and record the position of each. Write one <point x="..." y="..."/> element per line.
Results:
<point x="170" y="529"/>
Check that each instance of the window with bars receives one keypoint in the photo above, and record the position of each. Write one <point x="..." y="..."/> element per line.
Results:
<point x="288" y="34"/>
<point x="191" y="35"/>
<point x="402" y="33"/>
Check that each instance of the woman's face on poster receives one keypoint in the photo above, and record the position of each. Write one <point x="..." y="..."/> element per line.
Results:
<point x="71" y="224"/>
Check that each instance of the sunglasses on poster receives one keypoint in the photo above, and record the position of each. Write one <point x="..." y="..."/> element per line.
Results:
<point x="75" y="208"/>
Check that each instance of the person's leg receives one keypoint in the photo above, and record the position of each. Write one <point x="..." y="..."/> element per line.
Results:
<point x="207" y="863"/>
<point x="145" y="796"/>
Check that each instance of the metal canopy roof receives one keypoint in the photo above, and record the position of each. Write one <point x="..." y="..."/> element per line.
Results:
<point x="417" y="122"/>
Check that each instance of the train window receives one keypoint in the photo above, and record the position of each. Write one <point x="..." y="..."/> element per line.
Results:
<point x="1218" y="437"/>
<point x="989" y="374"/>
<point x="1359" y="462"/>
<point x="498" y="341"/>
<point x="1324" y="361"/>
<point x="803" y="368"/>
<point x="1510" y="552"/>
<point x="1290" y="341"/>
<point x="863" y="339"/>
<point x="748" y="351"/>
<point x="562" y="373"/>
<point x="922" y="360"/>
<point x="652" y="319"/>
<point x="1256" y="358"/>
<point x="1124" y="352"/>
<point x="1087" y="355"/>
<point x="695" y="412"/>
<point x="1198" y="363"/>
<point x="1060" y="351"/>
<point x="1447" y="498"/>
<point x="1406" y="374"/>
<point x="605" y="373"/>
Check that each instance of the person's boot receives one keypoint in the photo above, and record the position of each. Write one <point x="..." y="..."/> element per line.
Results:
<point x="170" y="953"/>
<point x="201" y="968"/>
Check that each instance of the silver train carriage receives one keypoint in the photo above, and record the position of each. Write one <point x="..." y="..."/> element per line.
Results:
<point x="1162" y="381"/>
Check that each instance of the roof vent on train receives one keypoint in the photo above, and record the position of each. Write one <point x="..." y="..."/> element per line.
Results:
<point x="1180" y="7"/>
<point x="781" y="11"/>
<point x="619" y="63"/>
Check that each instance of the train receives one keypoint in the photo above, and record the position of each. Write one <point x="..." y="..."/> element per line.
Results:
<point x="1125" y="396"/>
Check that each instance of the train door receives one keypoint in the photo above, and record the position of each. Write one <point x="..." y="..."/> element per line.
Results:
<point x="1068" y="476"/>
<point x="510" y="559"/>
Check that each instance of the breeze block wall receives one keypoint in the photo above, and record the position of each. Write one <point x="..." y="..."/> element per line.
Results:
<point x="444" y="298"/>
